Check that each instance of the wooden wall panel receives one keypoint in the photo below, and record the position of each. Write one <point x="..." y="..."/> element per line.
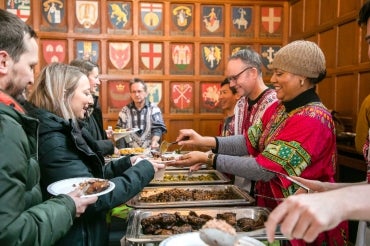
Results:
<point x="346" y="52"/>
<point x="325" y="89"/>
<point x="346" y="96"/>
<point x="347" y="7"/>
<point x="329" y="47"/>
<point x="296" y="13"/>
<point x="347" y="38"/>
<point x="328" y="11"/>
<point x="311" y="15"/>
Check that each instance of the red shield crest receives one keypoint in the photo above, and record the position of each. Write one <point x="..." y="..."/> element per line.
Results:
<point x="271" y="18"/>
<point x="53" y="50"/>
<point x="119" y="54"/>
<point x="119" y="94"/>
<point x="181" y="95"/>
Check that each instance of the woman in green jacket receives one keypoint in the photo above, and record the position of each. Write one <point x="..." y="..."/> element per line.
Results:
<point x="61" y="97"/>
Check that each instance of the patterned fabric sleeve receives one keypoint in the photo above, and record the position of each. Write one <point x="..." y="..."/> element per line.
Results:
<point x="158" y="126"/>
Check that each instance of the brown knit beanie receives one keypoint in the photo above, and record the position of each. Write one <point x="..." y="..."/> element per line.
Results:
<point x="300" y="57"/>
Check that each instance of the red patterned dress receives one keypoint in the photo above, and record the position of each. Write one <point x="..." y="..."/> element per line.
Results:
<point x="299" y="142"/>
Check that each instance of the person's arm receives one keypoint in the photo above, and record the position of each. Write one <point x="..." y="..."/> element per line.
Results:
<point x="25" y="218"/>
<point x="195" y="139"/>
<point x="304" y="216"/>
<point x="362" y="125"/>
<point x="106" y="146"/>
<point x="60" y="160"/>
<point x="231" y="145"/>
<point x="242" y="166"/>
<point x="158" y="128"/>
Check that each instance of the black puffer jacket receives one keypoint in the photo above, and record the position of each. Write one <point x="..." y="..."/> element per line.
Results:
<point x="65" y="152"/>
<point x="94" y="124"/>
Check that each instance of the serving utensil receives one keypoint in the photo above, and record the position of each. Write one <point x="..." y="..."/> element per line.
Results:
<point x="164" y="145"/>
<point x="215" y="236"/>
<point x="292" y="180"/>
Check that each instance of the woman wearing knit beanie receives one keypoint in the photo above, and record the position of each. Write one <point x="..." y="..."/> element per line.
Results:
<point x="299" y="138"/>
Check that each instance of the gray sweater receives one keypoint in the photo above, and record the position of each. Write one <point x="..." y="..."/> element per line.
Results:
<point x="233" y="157"/>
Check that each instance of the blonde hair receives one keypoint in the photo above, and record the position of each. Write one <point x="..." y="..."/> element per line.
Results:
<point x="54" y="89"/>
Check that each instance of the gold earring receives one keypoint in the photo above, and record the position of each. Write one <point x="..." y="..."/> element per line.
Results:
<point x="302" y="82"/>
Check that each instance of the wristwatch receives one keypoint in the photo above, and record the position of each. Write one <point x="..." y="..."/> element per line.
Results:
<point x="210" y="158"/>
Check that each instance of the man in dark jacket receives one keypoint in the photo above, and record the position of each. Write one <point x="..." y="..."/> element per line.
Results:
<point x="25" y="218"/>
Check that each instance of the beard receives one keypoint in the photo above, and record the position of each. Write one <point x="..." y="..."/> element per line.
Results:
<point x="14" y="91"/>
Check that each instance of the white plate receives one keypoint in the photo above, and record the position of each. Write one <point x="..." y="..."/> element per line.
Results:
<point x="158" y="161"/>
<point x="67" y="185"/>
<point x="119" y="135"/>
<point x="185" y="239"/>
<point x="248" y="241"/>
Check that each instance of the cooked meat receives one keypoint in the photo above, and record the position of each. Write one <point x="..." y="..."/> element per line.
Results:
<point x="182" y="229"/>
<point x="229" y="217"/>
<point x="167" y="223"/>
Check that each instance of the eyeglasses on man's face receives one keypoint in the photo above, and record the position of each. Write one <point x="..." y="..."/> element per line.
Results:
<point x="235" y="77"/>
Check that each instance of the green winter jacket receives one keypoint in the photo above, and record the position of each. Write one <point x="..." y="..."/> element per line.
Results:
<point x="25" y="219"/>
<point x="67" y="152"/>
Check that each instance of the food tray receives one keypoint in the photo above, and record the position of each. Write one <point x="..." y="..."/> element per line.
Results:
<point x="195" y="179"/>
<point x="242" y="198"/>
<point x="135" y="235"/>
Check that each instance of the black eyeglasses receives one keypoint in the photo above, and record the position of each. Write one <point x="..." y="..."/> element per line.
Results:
<point x="235" y="77"/>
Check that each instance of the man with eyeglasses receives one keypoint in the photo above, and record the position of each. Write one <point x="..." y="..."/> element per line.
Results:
<point x="142" y="114"/>
<point x="244" y="74"/>
<point x="256" y="97"/>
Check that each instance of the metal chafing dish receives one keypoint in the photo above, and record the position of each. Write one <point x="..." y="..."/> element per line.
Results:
<point x="241" y="197"/>
<point x="135" y="235"/>
<point x="181" y="177"/>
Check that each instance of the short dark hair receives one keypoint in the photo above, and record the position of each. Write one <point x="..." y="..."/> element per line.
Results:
<point x="12" y="33"/>
<point x="227" y="82"/>
<point x="249" y="57"/>
<point x="364" y="13"/>
<point x="85" y="66"/>
<point x="137" y="80"/>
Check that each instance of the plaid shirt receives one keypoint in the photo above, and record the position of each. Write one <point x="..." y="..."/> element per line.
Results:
<point x="149" y="120"/>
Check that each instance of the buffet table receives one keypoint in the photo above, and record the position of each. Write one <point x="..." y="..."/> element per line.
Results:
<point x="150" y="205"/>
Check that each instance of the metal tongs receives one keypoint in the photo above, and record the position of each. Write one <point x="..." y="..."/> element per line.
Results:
<point x="292" y="180"/>
<point x="164" y="145"/>
<point x="216" y="236"/>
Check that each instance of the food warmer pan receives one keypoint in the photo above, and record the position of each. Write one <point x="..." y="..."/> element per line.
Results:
<point x="136" y="236"/>
<point x="190" y="196"/>
<point x="182" y="177"/>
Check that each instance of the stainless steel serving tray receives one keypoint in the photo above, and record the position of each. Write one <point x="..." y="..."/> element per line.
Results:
<point x="134" y="233"/>
<point x="218" y="178"/>
<point x="242" y="197"/>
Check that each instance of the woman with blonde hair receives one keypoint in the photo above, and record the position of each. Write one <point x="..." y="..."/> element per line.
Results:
<point x="60" y="100"/>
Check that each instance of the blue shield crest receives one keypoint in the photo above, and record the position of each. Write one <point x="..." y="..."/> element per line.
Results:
<point x="242" y="18"/>
<point x="88" y="50"/>
<point x="53" y="11"/>
<point x="268" y="54"/>
<point x="119" y="14"/>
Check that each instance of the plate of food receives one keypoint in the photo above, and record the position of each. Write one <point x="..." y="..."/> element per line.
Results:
<point x="88" y="185"/>
<point x="132" y="151"/>
<point x="120" y="133"/>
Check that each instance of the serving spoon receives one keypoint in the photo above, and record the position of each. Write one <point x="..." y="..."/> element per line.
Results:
<point x="215" y="237"/>
<point x="164" y="145"/>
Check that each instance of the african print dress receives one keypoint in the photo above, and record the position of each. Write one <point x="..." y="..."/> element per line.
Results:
<point x="299" y="142"/>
